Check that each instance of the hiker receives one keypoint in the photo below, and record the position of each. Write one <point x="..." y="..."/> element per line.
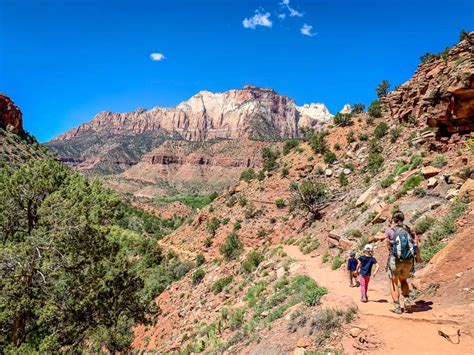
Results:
<point x="403" y="249"/>
<point x="352" y="269"/>
<point x="364" y="269"/>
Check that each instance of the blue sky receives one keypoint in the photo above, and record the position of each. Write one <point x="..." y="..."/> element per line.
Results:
<point x="62" y="61"/>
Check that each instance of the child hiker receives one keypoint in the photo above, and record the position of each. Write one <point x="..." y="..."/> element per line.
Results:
<point x="364" y="269"/>
<point x="352" y="269"/>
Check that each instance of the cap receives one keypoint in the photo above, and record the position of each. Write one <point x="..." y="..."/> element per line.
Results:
<point x="368" y="247"/>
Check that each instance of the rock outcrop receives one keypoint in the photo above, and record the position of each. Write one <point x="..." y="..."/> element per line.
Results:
<point x="10" y="115"/>
<point x="441" y="93"/>
<point x="251" y="112"/>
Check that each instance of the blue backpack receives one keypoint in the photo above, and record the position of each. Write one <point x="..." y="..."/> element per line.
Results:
<point x="402" y="244"/>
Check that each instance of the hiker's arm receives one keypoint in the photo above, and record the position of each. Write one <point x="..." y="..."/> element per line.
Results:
<point x="416" y="238"/>
<point x="418" y="248"/>
<point x="358" y="266"/>
<point x="376" y="269"/>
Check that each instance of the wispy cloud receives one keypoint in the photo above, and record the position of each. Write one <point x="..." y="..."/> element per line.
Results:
<point x="293" y="12"/>
<point x="157" y="57"/>
<point x="307" y="30"/>
<point x="259" y="19"/>
<point x="282" y="16"/>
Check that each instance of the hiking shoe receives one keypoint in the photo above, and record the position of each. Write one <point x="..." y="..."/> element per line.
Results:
<point x="397" y="310"/>
<point x="364" y="299"/>
<point x="407" y="305"/>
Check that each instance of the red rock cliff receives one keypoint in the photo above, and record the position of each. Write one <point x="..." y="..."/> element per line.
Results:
<point x="10" y="115"/>
<point x="441" y="93"/>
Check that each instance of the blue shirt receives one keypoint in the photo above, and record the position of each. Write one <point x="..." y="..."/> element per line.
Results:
<point x="352" y="264"/>
<point x="366" y="264"/>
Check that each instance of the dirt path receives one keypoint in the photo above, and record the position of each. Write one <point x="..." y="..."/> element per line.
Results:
<point x="415" y="333"/>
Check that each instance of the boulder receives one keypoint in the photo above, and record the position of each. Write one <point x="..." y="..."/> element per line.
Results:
<point x="452" y="193"/>
<point x="304" y="342"/>
<point x="347" y="171"/>
<point x="467" y="189"/>
<point x="432" y="182"/>
<point x="430" y="171"/>
<point x="346" y="244"/>
<point x="328" y="172"/>
<point x="365" y="197"/>
<point x="355" y="332"/>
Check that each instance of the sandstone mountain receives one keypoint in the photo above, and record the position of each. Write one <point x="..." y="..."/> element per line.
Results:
<point x="113" y="142"/>
<point x="441" y="92"/>
<point x="250" y="112"/>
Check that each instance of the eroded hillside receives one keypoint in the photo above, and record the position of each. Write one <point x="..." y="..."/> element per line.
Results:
<point x="270" y="251"/>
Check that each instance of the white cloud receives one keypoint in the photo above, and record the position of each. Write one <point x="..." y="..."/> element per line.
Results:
<point x="307" y="30"/>
<point x="293" y="12"/>
<point x="157" y="57"/>
<point x="282" y="16"/>
<point x="259" y="19"/>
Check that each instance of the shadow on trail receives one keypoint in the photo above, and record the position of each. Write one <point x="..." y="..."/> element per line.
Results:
<point x="421" y="306"/>
<point x="380" y="301"/>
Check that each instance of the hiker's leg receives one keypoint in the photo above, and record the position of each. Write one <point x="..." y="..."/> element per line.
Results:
<point x="367" y="280"/>
<point x="404" y="286"/>
<point x="350" y="278"/>
<point x="362" y="286"/>
<point x="394" y="289"/>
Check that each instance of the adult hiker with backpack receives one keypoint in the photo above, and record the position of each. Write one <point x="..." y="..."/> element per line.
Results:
<point x="403" y="249"/>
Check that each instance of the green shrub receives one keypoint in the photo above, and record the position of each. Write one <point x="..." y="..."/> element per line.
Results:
<point x="231" y="201"/>
<point x="342" y="119"/>
<point x="289" y="145"/>
<point x="358" y="108"/>
<point x="375" y="109"/>
<point x="307" y="290"/>
<point x="382" y="89"/>
<point x="419" y="192"/>
<point x="337" y="262"/>
<point x="236" y="318"/>
<point x="422" y="225"/>
<point x="284" y="172"/>
<point x="237" y="225"/>
<point x="232" y="246"/>
<point x="198" y="276"/>
<point x="389" y="180"/>
<point x="395" y="134"/>
<point x="252" y="261"/>
<point x="325" y="257"/>
<point x="261" y="175"/>
<point x="439" y="161"/>
<point x="200" y="259"/>
<point x="328" y="320"/>
<point x="363" y="137"/>
<point x="350" y="136"/>
<point x="269" y="158"/>
<point x="212" y="225"/>
<point x="208" y="242"/>
<point x="308" y="244"/>
<point x="318" y="142"/>
<point x="343" y="181"/>
<point x="381" y="130"/>
<point x="330" y="157"/>
<point x="415" y="162"/>
<point x="220" y="284"/>
<point x="247" y="175"/>
<point x="280" y="203"/>
<point x="412" y="182"/>
<point x="442" y="228"/>
<point x="374" y="162"/>
<point x="337" y="146"/>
